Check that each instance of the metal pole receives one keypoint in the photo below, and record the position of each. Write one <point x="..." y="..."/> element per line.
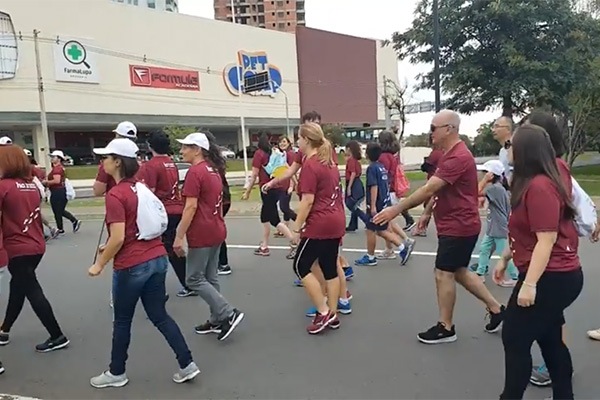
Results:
<point x="388" y="112"/>
<point x="436" y="55"/>
<point x="242" y="120"/>
<point x="290" y="134"/>
<point x="43" y="147"/>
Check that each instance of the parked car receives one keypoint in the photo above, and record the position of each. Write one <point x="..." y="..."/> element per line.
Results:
<point x="340" y="150"/>
<point x="228" y="154"/>
<point x="250" y="150"/>
<point x="68" y="161"/>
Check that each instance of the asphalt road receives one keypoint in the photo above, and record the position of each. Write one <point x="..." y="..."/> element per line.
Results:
<point x="375" y="354"/>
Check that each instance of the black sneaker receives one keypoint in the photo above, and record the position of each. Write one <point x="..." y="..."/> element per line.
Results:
<point x="4" y="339"/>
<point x="60" y="232"/>
<point x="1" y="368"/>
<point x="52" y="344"/>
<point x="409" y="226"/>
<point x="224" y="270"/>
<point x="230" y="324"/>
<point x="76" y="226"/>
<point x="438" y="334"/>
<point x="207" y="327"/>
<point x="495" y="320"/>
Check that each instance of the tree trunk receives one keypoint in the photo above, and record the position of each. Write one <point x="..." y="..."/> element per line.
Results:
<point x="507" y="106"/>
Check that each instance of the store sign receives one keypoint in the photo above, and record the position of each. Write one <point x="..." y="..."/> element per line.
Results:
<point x="164" y="78"/>
<point x="258" y="76"/>
<point x="74" y="61"/>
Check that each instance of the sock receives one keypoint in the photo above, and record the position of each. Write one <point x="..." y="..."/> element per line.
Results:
<point x="401" y="247"/>
<point x="371" y="257"/>
<point x="344" y="301"/>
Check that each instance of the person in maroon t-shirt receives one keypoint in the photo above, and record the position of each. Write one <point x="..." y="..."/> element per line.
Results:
<point x="320" y="226"/>
<point x="24" y="245"/>
<point x="162" y="177"/>
<point x="104" y="182"/>
<point x="544" y="243"/>
<point x="456" y="212"/>
<point x="140" y="269"/>
<point x="41" y="176"/>
<point x="429" y="166"/>
<point x="288" y="185"/>
<point x="58" y="193"/>
<point x="355" y="189"/>
<point x="203" y="226"/>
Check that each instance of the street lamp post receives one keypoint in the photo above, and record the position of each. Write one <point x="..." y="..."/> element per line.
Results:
<point x="290" y="134"/>
<point x="436" y="54"/>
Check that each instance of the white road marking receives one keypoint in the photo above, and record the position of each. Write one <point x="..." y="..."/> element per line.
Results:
<point x="346" y="250"/>
<point x="15" y="397"/>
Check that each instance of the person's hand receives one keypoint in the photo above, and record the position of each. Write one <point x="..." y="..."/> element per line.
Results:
<point x="596" y="234"/>
<point x="267" y="186"/>
<point x="386" y="215"/>
<point x="373" y="211"/>
<point x="295" y="238"/>
<point x="95" y="269"/>
<point x="499" y="271"/>
<point x="246" y="195"/>
<point x="481" y="202"/>
<point x="423" y="222"/>
<point x="488" y="177"/>
<point x="178" y="247"/>
<point x="526" y="297"/>
<point x="349" y="191"/>
<point x="290" y="190"/>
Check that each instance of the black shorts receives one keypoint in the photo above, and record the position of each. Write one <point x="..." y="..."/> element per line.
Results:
<point x="454" y="252"/>
<point x="269" y="212"/>
<point x="324" y="250"/>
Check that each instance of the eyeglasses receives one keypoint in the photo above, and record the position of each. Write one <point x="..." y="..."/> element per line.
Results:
<point x="433" y="128"/>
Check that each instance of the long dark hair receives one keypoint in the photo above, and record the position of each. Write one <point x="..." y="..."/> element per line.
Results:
<point x="213" y="154"/>
<point x="388" y="142"/>
<point x="264" y="144"/>
<point x="534" y="155"/>
<point x="548" y="122"/>
<point x="355" y="150"/>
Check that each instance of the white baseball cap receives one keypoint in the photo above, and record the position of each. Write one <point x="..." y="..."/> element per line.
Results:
<point x="5" y="141"/>
<point x="119" y="147"/>
<point x="126" y="129"/>
<point x="196" y="139"/>
<point x="59" y="154"/>
<point x="494" y="166"/>
<point x="27" y="152"/>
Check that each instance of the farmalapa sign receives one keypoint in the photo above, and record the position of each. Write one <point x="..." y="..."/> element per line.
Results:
<point x="75" y="61"/>
<point x="164" y="78"/>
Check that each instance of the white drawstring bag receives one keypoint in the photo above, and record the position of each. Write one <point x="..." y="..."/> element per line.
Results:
<point x="152" y="219"/>
<point x="587" y="217"/>
<point x="70" y="190"/>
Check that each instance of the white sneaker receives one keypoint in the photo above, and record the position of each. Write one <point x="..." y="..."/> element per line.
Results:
<point x="386" y="255"/>
<point x="186" y="374"/>
<point x="509" y="283"/>
<point x="595" y="334"/>
<point x="106" y="380"/>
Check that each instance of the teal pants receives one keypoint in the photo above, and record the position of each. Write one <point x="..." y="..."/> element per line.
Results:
<point x="485" y="253"/>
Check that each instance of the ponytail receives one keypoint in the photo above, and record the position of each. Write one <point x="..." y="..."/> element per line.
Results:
<point x="324" y="153"/>
<point x="213" y="155"/>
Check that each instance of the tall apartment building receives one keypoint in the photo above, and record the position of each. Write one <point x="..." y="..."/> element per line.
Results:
<point x="279" y="15"/>
<point x="164" y="5"/>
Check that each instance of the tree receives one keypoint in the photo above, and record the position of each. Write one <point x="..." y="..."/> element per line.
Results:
<point x="335" y="134"/>
<point x="395" y="100"/>
<point x="178" y="132"/>
<point x="497" y="52"/>
<point x="484" y="143"/>
<point x="421" y="140"/>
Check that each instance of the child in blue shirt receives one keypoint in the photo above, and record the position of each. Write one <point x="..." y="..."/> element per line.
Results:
<point x="378" y="198"/>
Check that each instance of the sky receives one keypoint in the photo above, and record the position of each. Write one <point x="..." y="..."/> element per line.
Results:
<point x="375" y="19"/>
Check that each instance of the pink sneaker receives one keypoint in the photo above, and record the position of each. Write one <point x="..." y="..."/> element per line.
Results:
<point x="262" y="251"/>
<point x="335" y="323"/>
<point x="320" y="322"/>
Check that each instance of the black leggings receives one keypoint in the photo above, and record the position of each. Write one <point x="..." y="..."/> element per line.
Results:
<point x="24" y="284"/>
<point x="541" y="323"/>
<point x="311" y="250"/>
<point x="284" y="206"/>
<point x="268" y="211"/>
<point x="58" y="201"/>
<point x="168" y="238"/>
<point x="223" y="259"/>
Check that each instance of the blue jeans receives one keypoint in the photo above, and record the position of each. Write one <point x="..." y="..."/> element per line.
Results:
<point x="485" y="253"/>
<point x="353" y="203"/>
<point x="147" y="282"/>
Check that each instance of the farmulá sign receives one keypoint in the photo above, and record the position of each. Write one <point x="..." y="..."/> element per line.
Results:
<point x="75" y="61"/>
<point x="164" y="78"/>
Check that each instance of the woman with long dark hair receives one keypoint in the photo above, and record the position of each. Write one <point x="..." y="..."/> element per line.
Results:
<point x="23" y="241"/>
<point x="544" y="243"/>
<point x="58" y="193"/>
<point x="140" y="269"/>
<point x="203" y="225"/>
<point x="269" y="215"/>
<point x="355" y="190"/>
<point x="38" y="173"/>
<point x="288" y="185"/>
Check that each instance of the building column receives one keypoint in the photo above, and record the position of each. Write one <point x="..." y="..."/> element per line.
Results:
<point x="41" y="146"/>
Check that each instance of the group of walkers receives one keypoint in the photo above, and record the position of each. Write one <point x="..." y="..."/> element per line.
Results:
<point x="529" y="195"/>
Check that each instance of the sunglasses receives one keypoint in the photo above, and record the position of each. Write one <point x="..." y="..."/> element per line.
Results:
<point x="433" y="128"/>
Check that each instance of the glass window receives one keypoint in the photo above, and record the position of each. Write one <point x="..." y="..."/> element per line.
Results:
<point x="281" y="25"/>
<point x="280" y="14"/>
<point x="151" y="3"/>
<point x="280" y="4"/>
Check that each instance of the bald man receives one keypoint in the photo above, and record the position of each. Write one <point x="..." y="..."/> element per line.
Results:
<point x="455" y="208"/>
<point x="502" y="131"/>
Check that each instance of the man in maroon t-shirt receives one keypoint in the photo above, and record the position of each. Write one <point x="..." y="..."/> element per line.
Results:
<point x="455" y="193"/>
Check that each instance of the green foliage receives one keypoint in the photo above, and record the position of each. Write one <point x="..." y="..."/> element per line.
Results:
<point x="178" y="132"/>
<point x="335" y="133"/>
<point x="421" y="140"/>
<point x="484" y="143"/>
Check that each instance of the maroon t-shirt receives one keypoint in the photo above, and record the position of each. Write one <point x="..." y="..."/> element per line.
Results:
<point x="456" y="210"/>
<point x="208" y="226"/>
<point x="353" y="166"/>
<point x="390" y="163"/>
<point x="162" y="176"/>
<point x="121" y="207"/>
<point x="38" y="172"/>
<point x="434" y="159"/>
<point x="542" y="210"/>
<point x="21" y="223"/>
<point x="300" y="158"/>
<point x="326" y="219"/>
<point x="60" y="171"/>
<point x="105" y="178"/>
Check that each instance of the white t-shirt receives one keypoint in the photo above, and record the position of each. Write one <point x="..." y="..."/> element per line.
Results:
<point x="503" y="155"/>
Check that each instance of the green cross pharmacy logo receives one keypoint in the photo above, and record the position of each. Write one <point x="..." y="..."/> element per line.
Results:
<point x="75" y="53"/>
